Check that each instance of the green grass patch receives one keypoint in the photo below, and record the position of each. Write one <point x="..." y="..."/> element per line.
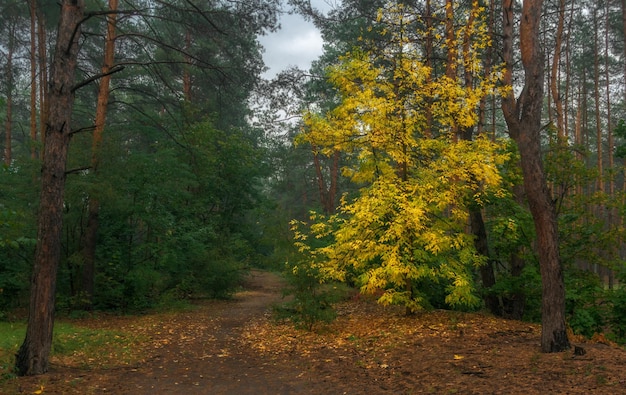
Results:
<point x="11" y="336"/>
<point x="75" y="345"/>
<point x="86" y="347"/>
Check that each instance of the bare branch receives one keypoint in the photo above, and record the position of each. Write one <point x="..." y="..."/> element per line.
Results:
<point x="96" y="77"/>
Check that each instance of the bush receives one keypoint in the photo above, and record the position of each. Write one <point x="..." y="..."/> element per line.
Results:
<point x="312" y="301"/>
<point x="617" y="312"/>
<point x="584" y="308"/>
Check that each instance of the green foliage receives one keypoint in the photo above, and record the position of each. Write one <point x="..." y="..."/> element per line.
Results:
<point x="175" y="190"/>
<point x="174" y="219"/>
<point x="617" y="312"/>
<point x="620" y="131"/>
<point x="313" y="300"/>
<point x="17" y="234"/>
<point x="11" y="335"/>
<point x="585" y="302"/>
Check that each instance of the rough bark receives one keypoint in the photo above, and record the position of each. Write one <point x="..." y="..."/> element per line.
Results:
<point x="32" y="4"/>
<point x="523" y="118"/>
<point x="32" y="357"/>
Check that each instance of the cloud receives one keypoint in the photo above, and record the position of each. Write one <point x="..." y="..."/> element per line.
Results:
<point x="297" y="43"/>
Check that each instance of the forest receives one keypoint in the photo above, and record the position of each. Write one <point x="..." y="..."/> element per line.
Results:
<point x="440" y="154"/>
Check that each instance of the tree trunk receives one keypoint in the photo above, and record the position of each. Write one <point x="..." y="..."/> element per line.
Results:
<point x="91" y="233"/>
<point x="8" y="125"/>
<point x="523" y="118"/>
<point x="33" y="77"/>
<point x="32" y="357"/>
<point x="429" y="55"/>
<point x="554" y="75"/>
<point x="487" y="274"/>
<point x="327" y="194"/>
<point x="186" y="68"/>
<point x="477" y="224"/>
<point x="43" y="74"/>
<point x="596" y="98"/>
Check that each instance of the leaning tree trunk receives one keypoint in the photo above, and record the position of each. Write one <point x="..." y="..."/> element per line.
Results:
<point x="32" y="357"/>
<point x="523" y="118"/>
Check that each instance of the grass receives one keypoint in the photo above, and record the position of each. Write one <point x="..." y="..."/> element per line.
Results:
<point x="11" y="336"/>
<point x="74" y="345"/>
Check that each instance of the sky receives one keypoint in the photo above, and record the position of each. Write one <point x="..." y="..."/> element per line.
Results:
<point x="297" y="43"/>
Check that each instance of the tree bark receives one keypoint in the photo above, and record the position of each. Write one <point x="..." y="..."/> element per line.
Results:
<point x="32" y="357"/>
<point x="8" y="122"/>
<point x="33" y="77"/>
<point x="596" y="98"/>
<point x="554" y="73"/>
<point x="43" y="74"/>
<point x="523" y="118"/>
<point x="327" y="194"/>
<point x="91" y="232"/>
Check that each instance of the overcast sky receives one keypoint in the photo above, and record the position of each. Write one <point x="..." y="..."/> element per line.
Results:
<point x="297" y="43"/>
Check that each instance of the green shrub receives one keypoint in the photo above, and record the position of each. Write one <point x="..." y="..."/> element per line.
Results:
<point x="312" y="301"/>
<point x="585" y="312"/>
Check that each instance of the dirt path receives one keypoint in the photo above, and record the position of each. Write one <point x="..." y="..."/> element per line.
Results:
<point x="230" y="347"/>
<point x="202" y="352"/>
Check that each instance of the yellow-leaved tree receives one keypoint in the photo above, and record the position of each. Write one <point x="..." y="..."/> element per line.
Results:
<point x="398" y="122"/>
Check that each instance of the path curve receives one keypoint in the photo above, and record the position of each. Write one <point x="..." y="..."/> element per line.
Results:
<point x="206" y="356"/>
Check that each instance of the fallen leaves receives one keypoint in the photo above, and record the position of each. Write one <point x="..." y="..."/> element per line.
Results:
<point x="369" y="349"/>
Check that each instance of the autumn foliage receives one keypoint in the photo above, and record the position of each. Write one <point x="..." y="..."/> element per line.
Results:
<point x="398" y="124"/>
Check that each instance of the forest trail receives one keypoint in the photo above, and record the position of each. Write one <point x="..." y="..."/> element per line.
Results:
<point x="233" y="347"/>
<point x="202" y="351"/>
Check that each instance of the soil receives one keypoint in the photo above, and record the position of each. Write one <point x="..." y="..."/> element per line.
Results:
<point x="236" y="347"/>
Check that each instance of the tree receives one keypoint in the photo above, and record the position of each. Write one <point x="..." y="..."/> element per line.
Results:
<point x="91" y="232"/>
<point x="523" y="118"/>
<point x="406" y="226"/>
<point x="32" y="357"/>
<point x="10" y="30"/>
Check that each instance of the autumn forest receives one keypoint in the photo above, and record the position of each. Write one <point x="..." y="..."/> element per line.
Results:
<point x="440" y="155"/>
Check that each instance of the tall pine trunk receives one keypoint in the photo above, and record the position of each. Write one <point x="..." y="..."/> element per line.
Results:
<point x="32" y="357"/>
<point x="8" y="122"/>
<point x="43" y="75"/>
<point x="93" y="223"/>
<point x="523" y="118"/>
<point x="33" y="77"/>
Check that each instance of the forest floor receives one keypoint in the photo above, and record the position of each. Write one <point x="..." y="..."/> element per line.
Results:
<point x="235" y="347"/>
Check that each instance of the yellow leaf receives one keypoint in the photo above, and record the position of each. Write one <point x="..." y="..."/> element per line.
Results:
<point x="39" y="391"/>
<point x="458" y="357"/>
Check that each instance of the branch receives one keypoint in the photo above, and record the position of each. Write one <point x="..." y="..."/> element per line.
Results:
<point x="205" y="17"/>
<point x="77" y="170"/>
<point x="89" y="80"/>
<point x="85" y="129"/>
